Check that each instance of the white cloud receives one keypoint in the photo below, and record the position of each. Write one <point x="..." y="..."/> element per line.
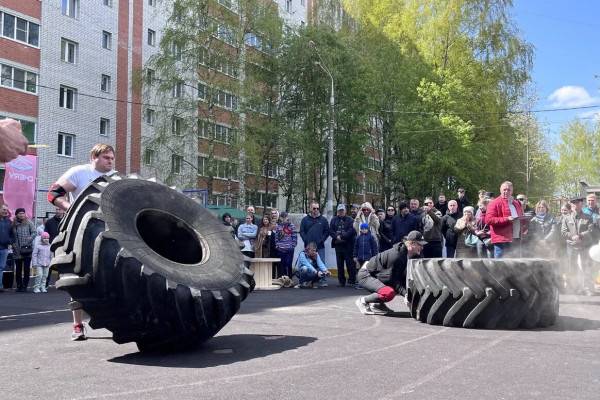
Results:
<point x="572" y="96"/>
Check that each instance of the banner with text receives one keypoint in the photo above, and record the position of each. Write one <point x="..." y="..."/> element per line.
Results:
<point x="19" y="184"/>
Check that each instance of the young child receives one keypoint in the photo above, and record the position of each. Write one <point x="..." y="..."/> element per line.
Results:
<point x="365" y="246"/>
<point x="40" y="259"/>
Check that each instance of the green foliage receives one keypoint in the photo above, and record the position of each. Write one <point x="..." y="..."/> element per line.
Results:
<point x="578" y="157"/>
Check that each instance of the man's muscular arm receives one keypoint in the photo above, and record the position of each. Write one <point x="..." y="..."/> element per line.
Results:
<point x="58" y="193"/>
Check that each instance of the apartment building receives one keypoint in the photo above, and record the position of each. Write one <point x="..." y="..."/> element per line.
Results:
<point x="20" y="65"/>
<point x="68" y="74"/>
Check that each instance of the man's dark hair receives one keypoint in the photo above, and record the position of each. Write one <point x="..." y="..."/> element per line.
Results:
<point x="402" y="205"/>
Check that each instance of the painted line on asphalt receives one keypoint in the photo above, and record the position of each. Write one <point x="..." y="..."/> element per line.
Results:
<point x="431" y="376"/>
<point x="32" y="313"/>
<point x="265" y="372"/>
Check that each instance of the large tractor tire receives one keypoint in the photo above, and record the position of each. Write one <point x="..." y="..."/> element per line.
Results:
<point x="484" y="293"/>
<point x="149" y="264"/>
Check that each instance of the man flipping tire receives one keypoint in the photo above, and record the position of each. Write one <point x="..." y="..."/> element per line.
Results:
<point x="385" y="275"/>
<point x="68" y="187"/>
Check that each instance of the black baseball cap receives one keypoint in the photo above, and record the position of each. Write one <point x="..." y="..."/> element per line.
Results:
<point x="416" y="236"/>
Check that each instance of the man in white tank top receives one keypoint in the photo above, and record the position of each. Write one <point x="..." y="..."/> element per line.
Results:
<point x="66" y="189"/>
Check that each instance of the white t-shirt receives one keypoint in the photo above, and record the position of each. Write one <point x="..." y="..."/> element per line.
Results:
<point x="80" y="176"/>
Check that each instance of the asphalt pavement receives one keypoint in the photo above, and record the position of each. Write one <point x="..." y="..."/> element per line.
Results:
<point x="302" y="344"/>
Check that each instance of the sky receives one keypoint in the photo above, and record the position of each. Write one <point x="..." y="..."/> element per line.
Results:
<point x="566" y="67"/>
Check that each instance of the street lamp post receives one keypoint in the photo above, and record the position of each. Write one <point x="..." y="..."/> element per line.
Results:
<point x="329" y="201"/>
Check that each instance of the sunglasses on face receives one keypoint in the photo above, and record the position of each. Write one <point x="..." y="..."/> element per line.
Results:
<point x="315" y="208"/>
<point x="391" y="209"/>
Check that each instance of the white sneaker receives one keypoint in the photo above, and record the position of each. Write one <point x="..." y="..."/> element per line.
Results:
<point x="381" y="309"/>
<point x="363" y="306"/>
<point x="44" y="290"/>
<point x="36" y="290"/>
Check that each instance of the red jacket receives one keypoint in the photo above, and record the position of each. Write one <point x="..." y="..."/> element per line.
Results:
<point x="496" y="217"/>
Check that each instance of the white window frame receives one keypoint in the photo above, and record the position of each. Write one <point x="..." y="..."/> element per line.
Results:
<point x="105" y="83"/>
<point x="202" y="90"/>
<point x="64" y="97"/>
<point x="15" y="30"/>
<point x="106" y="40"/>
<point x="178" y="90"/>
<point x="65" y="46"/>
<point x="27" y="75"/>
<point x="176" y="126"/>
<point x="176" y="51"/>
<point x="150" y="116"/>
<point x="62" y="136"/>
<point x="70" y="8"/>
<point x="150" y="76"/>
<point x="152" y="3"/>
<point x="176" y="164"/>
<point x="104" y="127"/>
<point x="151" y="40"/>
<point x="149" y="155"/>
<point x="107" y="3"/>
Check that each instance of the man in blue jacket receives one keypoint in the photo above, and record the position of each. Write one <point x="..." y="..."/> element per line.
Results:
<point x="342" y="235"/>
<point x="314" y="228"/>
<point x="6" y="238"/>
<point x="310" y="269"/>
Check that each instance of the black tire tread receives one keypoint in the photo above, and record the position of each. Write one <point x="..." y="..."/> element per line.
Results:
<point x="484" y="293"/>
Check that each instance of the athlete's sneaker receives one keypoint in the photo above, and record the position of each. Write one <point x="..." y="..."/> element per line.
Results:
<point x="363" y="306"/>
<point x="78" y="332"/>
<point x="381" y="309"/>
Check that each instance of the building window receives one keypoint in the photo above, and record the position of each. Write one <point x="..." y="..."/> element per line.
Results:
<point x="68" y="96"/>
<point x="226" y="100"/>
<point x="152" y="3"/>
<point x="107" y="3"/>
<point x="176" y="51"/>
<point x="150" y="116"/>
<point x="288" y="5"/>
<point x="226" y="3"/>
<point x="106" y="40"/>
<point x="302" y="3"/>
<point x="70" y="8"/>
<point x="201" y="91"/>
<point x="150" y="76"/>
<point x="226" y="34"/>
<point x="105" y="83"/>
<point x="66" y="144"/>
<point x="19" y="29"/>
<point x="176" y="161"/>
<point x="68" y="51"/>
<point x="202" y="165"/>
<point x="177" y="126"/>
<point x="151" y="37"/>
<point x="17" y="78"/>
<point x="148" y="156"/>
<point x="104" y="126"/>
<point x="178" y="90"/>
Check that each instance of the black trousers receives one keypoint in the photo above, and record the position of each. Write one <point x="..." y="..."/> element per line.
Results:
<point x="22" y="268"/>
<point x="432" y="250"/>
<point x="344" y="256"/>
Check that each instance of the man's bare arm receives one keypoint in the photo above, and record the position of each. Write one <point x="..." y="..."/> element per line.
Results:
<point x="62" y="202"/>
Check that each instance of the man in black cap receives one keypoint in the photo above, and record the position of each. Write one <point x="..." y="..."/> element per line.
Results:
<point x="385" y="274"/>
<point x="578" y="231"/>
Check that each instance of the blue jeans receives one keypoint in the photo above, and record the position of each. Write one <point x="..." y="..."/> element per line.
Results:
<point x="307" y="274"/>
<point x="3" y="257"/>
<point x="501" y="249"/>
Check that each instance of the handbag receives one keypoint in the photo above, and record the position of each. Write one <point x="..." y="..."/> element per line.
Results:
<point x="26" y="250"/>
<point x="471" y="240"/>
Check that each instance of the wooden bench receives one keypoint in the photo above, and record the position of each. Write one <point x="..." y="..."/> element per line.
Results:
<point x="263" y="272"/>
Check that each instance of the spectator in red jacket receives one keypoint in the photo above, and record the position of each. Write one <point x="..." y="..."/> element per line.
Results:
<point x="504" y="217"/>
